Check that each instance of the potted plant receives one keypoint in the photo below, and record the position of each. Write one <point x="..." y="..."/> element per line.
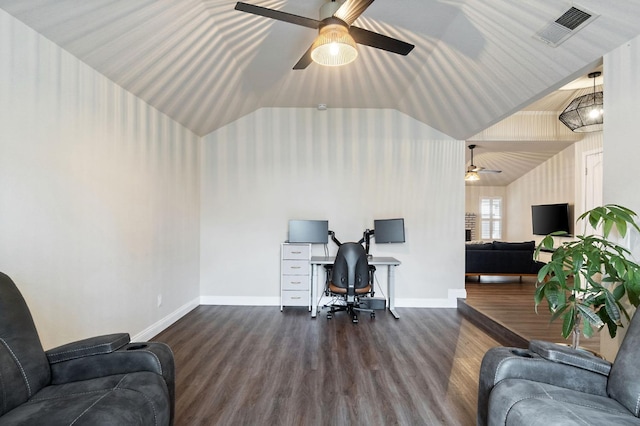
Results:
<point x="587" y="279"/>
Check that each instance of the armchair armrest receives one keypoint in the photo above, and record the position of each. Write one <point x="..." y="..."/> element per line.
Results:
<point x="109" y="355"/>
<point x="569" y="356"/>
<point x="128" y="358"/>
<point x="501" y="363"/>
<point x="88" y="347"/>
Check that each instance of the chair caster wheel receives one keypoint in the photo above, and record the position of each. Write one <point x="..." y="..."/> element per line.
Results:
<point x="373" y="315"/>
<point x="329" y="316"/>
<point x="355" y="320"/>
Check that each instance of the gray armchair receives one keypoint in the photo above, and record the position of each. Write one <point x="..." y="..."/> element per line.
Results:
<point x="104" y="380"/>
<point x="550" y="384"/>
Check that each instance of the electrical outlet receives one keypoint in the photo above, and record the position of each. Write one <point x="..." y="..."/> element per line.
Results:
<point x="159" y="300"/>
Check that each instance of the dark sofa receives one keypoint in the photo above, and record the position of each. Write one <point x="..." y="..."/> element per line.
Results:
<point x="103" y="380"/>
<point x="501" y="258"/>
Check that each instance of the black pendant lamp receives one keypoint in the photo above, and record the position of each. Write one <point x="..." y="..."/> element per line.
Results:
<point x="585" y="113"/>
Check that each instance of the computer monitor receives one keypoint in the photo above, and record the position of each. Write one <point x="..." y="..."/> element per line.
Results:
<point x="309" y="231"/>
<point x="388" y="231"/>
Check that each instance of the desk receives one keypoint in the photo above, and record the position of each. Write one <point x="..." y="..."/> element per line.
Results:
<point x="389" y="262"/>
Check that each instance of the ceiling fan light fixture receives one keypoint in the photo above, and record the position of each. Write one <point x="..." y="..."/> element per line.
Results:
<point x="585" y="113"/>
<point x="334" y="46"/>
<point x="471" y="176"/>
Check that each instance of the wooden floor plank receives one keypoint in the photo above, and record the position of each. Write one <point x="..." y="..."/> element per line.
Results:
<point x="260" y="366"/>
<point x="509" y="302"/>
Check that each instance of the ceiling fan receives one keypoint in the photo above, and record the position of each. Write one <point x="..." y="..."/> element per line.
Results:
<point x="473" y="171"/>
<point x="337" y="38"/>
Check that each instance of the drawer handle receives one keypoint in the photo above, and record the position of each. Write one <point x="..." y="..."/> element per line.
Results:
<point x="296" y="252"/>
<point x="295" y="267"/>
<point x="296" y="282"/>
<point x="296" y="298"/>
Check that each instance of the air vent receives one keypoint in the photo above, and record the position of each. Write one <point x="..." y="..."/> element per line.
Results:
<point x="570" y="22"/>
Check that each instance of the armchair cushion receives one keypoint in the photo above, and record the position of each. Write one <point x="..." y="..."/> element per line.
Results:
<point x="527" y="402"/>
<point x="125" y="399"/>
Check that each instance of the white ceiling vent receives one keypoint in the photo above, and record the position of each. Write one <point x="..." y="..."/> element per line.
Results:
<point x="571" y="21"/>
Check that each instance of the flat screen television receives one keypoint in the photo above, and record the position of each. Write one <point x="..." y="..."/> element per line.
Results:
<point x="548" y="218"/>
<point x="388" y="231"/>
<point x="309" y="231"/>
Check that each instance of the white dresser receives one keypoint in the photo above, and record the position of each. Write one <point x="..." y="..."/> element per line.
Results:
<point x="295" y="275"/>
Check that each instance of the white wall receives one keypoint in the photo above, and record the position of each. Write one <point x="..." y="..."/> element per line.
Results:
<point x="557" y="180"/>
<point x="551" y="182"/>
<point x="621" y="147"/>
<point x="347" y="166"/>
<point x="99" y="196"/>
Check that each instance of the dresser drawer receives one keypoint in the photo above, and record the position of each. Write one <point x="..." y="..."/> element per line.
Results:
<point x="292" y="251"/>
<point x="295" y="282"/>
<point x="295" y="298"/>
<point x="295" y="267"/>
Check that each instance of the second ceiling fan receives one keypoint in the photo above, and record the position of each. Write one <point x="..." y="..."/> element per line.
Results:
<point x="335" y="44"/>
<point x="473" y="171"/>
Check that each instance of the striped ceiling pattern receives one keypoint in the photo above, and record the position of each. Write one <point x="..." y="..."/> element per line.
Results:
<point x="205" y="65"/>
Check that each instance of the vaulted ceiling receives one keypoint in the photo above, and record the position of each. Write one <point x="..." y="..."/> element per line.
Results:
<point x="205" y="64"/>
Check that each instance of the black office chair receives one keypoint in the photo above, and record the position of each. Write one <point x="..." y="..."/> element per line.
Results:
<point x="351" y="278"/>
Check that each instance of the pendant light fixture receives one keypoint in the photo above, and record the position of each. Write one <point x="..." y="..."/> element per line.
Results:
<point x="334" y="46"/>
<point x="585" y="113"/>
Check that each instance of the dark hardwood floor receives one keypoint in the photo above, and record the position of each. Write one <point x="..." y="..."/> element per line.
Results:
<point x="504" y="307"/>
<point x="260" y="366"/>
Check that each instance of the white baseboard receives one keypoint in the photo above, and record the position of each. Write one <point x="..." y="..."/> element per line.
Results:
<point x="239" y="301"/>
<point x="164" y="323"/>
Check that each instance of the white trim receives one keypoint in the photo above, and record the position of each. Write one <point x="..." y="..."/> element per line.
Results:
<point x="240" y="300"/>
<point x="450" y="302"/>
<point x="164" y="323"/>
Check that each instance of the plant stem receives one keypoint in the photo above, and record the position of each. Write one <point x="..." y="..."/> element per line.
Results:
<point x="576" y="333"/>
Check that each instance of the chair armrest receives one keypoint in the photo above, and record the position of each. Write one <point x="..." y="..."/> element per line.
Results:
<point x="100" y="361"/>
<point x="132" y="357"/>
<point x="502" y="363"/>
<point x="569" y="356"/>
<point x="88" y="347"/>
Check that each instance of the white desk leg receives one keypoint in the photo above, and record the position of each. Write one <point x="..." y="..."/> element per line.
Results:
<point x="391" y="288"/>
<point x="314" y="290"/>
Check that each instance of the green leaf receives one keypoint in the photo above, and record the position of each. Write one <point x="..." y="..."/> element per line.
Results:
<point x="543" y="272"/>
<point x="612" y="308"/>
<point x="558" y="312"/>
<point x="587" y="330"/>
<point x="552" y="294"/>
<point x="618" y="292"/>
<point x="569" y="322"/>
<point x="621" y="225"/>
<point x="590" y="316"/>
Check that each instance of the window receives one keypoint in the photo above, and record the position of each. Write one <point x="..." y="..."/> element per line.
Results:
<point x="491" y="218"/>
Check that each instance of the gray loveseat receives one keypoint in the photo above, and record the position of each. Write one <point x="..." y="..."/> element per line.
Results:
<point x="550" y="384"/>
<point x="501" y="258"/>
<point x="104" y="380"/>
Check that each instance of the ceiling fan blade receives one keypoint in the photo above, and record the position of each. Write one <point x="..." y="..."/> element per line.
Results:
<point x="278" y="15"/>
<point x="351" y="10"/>
<point x="305" y="60"/>
<point x="379" y="41"/>
<point x="489" y="171"/>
